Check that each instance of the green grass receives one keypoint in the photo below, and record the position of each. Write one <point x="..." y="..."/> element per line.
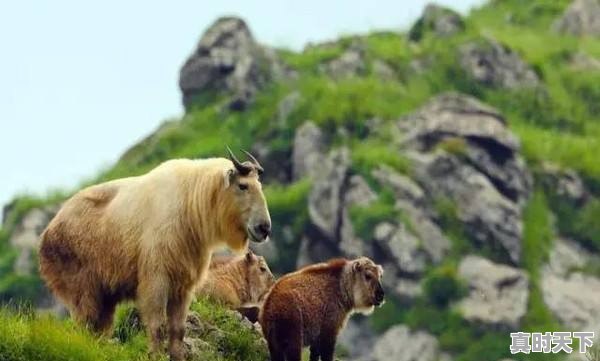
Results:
<point x="29" y="337"/>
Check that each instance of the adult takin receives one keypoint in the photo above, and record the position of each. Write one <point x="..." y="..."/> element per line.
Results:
<point x="237" y="281"/>
<point x="151" y="238"/>
<point x="309" y="307"/>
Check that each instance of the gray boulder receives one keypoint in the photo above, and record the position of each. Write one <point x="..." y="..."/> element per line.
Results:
<point x="483" y="174"/>
<point x="573" y="300"/>
<point x="565" y="183"/>
<point x="497" y="293"/>
<point x="401" y="247"/>
<point x="357" y="193"/>
<point x="399" y="343"/>
<point x="411" y="201"/>
<point x="351" y="63"/>
<point x="227" y="60"/>
<point x="308" y="151"/>
<point x="440" y="21"/>
<point x="326" y="196"/>
<point x="25" y="237"/>
<point x="582" y="17"/>
<point x="493" y="64"/>
<point x="584" y="62"/>
<point x="565" y="257"/>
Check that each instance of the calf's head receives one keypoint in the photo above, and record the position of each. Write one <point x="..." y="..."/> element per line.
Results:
<point x="249" y="212"/>
<point x="259" y="277"/>
<point x="366" y="289"/>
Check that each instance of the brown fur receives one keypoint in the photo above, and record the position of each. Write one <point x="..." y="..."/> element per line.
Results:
<point x="237" y="281"/>
<point x="148" y="238"/>
<point x="310" y="307"/>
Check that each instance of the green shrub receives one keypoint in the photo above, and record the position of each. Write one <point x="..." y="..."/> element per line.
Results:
<point x="442" y="286"/>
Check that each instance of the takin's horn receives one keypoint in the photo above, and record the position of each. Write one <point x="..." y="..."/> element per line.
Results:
<point x="241" y="168"/>
<point x="259" y="168"/>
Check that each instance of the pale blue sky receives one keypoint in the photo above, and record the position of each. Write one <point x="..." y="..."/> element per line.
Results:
<point x="79" y="83"/>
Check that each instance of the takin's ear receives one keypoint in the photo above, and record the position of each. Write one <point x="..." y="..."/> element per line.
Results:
<point x="357" y="266"/>
<point x="380" y="269"/>
<point x="229" y="177"/>
<point x="250" y="256"/>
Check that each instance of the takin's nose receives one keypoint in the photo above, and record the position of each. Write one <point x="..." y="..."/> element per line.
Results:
<point x="263" y="230"/>
<point x="379" y="295"/>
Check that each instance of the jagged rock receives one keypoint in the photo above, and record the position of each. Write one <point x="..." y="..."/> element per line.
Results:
<point x="277" y="162"/>
<point x="433" y="241"/>
<point x="582" y="17"/>
<point x="286" y="106"/>
<point x="484" y="176"/>
<point x="493" y="64"/>
<point x="350" y="63"/>
<point x="325" y="198"/>
<point x="402" y="248"/>
<point x="497" y="293"/>
<point x="308" y="152"/>
<point x="441" y="21"/>
<point x="227" y="60"/>
<point x="382" y="70"/>
<point x="584" y="62"/>
<point x="573" y="300"/>
<point x="399" y="343"/>
<point x="403" y="187"/>
<point x="356" y="338"/>
<point x="358" y="193"/>
<point x="566" y="256"/>
<point x="411" y="201"/>
<point x="490" y="218"/>
<point x="565" y="183"/>
<point x="26" y="237"/>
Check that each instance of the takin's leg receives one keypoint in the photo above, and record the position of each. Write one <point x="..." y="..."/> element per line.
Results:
<point x="152" y="295"/>
<point x="275" y="350"/>
<point x="289" y="334"/>
<point x="177" y="308"/>
<point x="314" y="353"/>
<point x="326" y="345"/>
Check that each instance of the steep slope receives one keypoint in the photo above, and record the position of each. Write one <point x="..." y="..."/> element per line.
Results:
<point x="462" y="155"/>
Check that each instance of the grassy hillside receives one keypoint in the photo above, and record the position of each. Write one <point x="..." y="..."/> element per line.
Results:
<point x="558" y="121"/>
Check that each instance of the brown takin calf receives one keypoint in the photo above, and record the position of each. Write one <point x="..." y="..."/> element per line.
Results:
<point x="237" y="281"/>
<point x="310" y="307"/>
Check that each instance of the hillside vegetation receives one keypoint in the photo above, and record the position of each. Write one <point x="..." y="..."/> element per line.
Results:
<point x="366" y="97"/>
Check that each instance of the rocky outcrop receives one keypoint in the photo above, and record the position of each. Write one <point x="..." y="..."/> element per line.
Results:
<point x="565" y="183"/>
<point x="493" y="64"/>
<point x="308" y="151"/>
<point x="334" y="191"/>
<point x="399" y="343"/>
<point x="573" y="300"/>
<point x="227" y="60"/>
<point x="497" y="293"/>
<point x="438" y="20"/>
<point x="582" y="17"/>
<point x="566" y="256"/>
<point x="25" y="237"/>
<point x="482" y="173"/>
<point x="351" y="63"/>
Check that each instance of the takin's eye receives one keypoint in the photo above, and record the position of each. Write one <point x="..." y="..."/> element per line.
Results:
<point x="243" y="186"/>
<point x="263" y="269"/>
<point x="368" y="277"/>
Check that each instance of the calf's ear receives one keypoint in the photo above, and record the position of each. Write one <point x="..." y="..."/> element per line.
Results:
<point x="249" y="256"/>
<point x="356" y="266"/>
